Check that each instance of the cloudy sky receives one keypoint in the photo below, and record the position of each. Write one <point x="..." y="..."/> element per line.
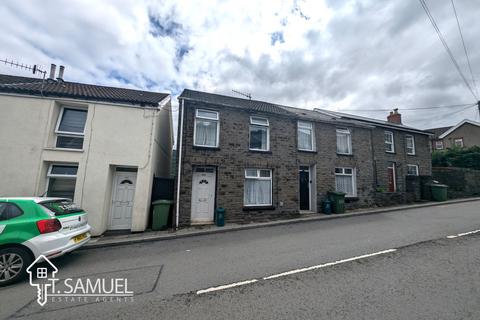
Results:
<point x="354" y="56"/>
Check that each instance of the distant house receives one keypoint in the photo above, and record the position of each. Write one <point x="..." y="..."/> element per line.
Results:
<point x="100" y="146"/>
<point x="465" y="134"/>
<point x="261" y="160"/>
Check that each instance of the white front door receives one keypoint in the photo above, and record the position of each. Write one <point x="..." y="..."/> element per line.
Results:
<point x="122" y="200"/>
<point x="203" y="195"/>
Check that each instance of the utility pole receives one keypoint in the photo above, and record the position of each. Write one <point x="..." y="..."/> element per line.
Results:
<point x="478" y="106"/>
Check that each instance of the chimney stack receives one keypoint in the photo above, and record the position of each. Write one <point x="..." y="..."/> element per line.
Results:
<point x="60" y="73"/>
<point x="394" y="117"/>
<point x="52" y="71"/>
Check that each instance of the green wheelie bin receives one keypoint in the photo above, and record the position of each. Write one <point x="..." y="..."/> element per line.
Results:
<point x="161" y="209"/>
<point x="439" y="192"/>
<point x="338" y="200"/>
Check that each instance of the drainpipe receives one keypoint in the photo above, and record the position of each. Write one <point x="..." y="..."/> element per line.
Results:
<point x="179" y="175"/>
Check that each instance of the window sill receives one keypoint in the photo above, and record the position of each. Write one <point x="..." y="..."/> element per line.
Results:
<point x="64" y="149"/>
<point x="260" y="151"/>
<point x="258" y="208"/>
<point x="390" y="152"/>
<point x="345" y="154"/>
<point x="206" y="148"/>
<point x="307" y="151"/>
<point x="411" y="154"/>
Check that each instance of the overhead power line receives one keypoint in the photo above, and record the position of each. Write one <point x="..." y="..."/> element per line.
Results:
<point x="409" y="108"/>
<point x="464" y="48"/>
<point x="445" y="45"/>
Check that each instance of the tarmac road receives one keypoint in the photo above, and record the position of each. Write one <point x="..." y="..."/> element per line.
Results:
<point x="431" y="280"/>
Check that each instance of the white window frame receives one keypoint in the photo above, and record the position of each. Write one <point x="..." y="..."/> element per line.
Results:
<point x="255" y="123"/>
<point x="409" y="136"/>
<point x="439" y="143"/>
<point x="354" y="179"/>
<point x="69" y="133"/>
<point x="310" y="126"/>
<point x="392" y="144"/>
<point x="257" y="177"/>
<point x="349" y="140"/>
<point x="216" y="118"/>
<point x="455" y="142"/>
<point x="59" y="133"/>
<point x="63" y="176"/>
<point x="412" y="166"/>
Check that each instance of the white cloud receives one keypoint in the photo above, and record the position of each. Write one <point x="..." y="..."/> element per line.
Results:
<point x="336" y="54"/>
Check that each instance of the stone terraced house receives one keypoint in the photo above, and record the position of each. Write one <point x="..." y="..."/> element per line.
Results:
<point x="263" y="161"/>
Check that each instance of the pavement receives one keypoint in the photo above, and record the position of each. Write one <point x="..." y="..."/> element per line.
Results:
<point x="426" y="276"/>
<point x="131" y="238"/>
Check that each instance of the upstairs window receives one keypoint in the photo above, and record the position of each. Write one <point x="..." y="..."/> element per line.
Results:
<point x="458" y="142"/>
<point x="70" y="128"/>
<point x="344" y="141"/>
<point x="345" y="181"/>
<point x="206" y="128"/>
<point x="306" y="136"/>
<point x="61" y="180"/>
<point x="412" y="170"/>
<point x="389" y="143"/>
<point x="259" y="134"/>
<point x="258" y="187"/>
<point x="439" y="144"/>
<point x="410" y="144"/>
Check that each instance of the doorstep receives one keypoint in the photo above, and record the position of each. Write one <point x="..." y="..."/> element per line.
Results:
<point x="132" y="238"/>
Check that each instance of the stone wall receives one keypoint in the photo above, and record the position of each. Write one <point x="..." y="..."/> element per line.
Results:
<point x="461" y="182"/>
<point x="233" y="156"/>
<point x="421" y="158"/>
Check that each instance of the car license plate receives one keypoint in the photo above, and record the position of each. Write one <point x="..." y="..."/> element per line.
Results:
<point x="80" y="237"/>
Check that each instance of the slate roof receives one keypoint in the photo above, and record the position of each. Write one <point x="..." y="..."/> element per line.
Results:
<point x="316" y="114"/>
<point x="75" y="90"/>
<point x="437" y="132"/>
<point x="221" y="100"/>
<point x="381" y="123"/>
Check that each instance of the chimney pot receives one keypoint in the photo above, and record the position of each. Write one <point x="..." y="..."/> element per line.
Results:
<point x="52" y="71"/>
<point x="394" y="117"/>
<point x="60" y="73"/>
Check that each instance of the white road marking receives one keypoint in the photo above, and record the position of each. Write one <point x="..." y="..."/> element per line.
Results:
<point x="463" y="234"/>
<point x="237" y="284"/>
<point x="226" y="286"/>
<point x="287" y="273"/>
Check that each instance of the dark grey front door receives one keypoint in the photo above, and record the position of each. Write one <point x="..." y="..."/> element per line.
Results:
<point x="304" y="179"/>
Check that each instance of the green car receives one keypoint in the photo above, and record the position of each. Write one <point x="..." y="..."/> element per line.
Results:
<point x="34" y="227"/>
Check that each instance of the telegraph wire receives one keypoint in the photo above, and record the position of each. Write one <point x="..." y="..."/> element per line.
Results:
<point x="445" y="45"/>
<point x="409" y="109"/>
<point x="464" y="47"/>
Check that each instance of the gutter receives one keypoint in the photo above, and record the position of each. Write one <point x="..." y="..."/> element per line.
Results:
<point x="179" y="175"/>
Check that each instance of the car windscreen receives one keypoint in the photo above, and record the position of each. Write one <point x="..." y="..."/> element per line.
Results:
<point x="60" y="207"/>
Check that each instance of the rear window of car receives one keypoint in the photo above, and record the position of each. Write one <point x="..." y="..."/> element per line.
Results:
<point x="60" y="207"/>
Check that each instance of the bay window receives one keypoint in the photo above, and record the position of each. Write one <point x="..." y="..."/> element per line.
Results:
<point x="345" y="181"/>
<point x="259" y="134"/>
<point x="258" y="187"/>
<point x="306" y="136"/>
<point x="206" y="128"/>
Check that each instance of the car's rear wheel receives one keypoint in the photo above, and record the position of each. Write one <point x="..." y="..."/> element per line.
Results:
<point x="13" y="263"/>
